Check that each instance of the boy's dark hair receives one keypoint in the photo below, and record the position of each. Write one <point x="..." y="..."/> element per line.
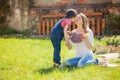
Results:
<point x="70" y="13"/>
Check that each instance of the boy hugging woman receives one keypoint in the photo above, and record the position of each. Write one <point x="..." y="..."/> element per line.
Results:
<point x="82" y="37"/>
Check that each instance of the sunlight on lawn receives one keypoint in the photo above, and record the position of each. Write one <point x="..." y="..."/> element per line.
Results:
<point x="31" y="59"/>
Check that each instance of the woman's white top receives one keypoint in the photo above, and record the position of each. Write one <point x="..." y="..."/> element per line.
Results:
<point x="81" y="48"/>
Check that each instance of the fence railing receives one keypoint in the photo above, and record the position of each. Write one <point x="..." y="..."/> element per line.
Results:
<point x="97" y="23"/>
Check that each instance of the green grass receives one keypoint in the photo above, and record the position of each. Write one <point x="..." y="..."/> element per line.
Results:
<point x="31" y="59"/>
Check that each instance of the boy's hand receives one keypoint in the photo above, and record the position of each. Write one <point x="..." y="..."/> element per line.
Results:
<point x="69" y="33"/>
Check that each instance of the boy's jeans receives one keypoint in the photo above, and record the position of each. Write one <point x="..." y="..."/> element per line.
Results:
<point x="56" y="41"/>
<point x="79" y="61"/>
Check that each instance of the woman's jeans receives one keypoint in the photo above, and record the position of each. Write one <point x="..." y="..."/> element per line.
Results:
<point x="80" y="61"/>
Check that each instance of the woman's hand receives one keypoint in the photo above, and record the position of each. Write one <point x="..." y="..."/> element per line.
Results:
<point x="85" y="37"/>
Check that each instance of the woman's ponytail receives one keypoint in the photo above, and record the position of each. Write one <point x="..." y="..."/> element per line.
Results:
<point x="85" y="22"/>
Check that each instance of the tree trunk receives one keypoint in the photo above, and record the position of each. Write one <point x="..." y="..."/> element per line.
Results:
<point x="18" y="18"/>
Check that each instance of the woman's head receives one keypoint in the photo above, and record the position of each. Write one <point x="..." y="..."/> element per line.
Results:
<point x="71" y="13"/>
<point x="82" y="20"/>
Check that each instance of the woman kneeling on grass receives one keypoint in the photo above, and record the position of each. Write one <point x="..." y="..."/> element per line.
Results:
<point x="84" y="44"/>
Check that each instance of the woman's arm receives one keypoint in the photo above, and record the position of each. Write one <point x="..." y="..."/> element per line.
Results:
<point x="69" y="45"/>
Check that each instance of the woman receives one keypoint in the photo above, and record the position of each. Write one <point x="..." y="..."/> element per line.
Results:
<point x="83" y="48"/>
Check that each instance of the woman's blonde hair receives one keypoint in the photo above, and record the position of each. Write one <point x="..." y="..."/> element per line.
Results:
<point x="85" y="24"/>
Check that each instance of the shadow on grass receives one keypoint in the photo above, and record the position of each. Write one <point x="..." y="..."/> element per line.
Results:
<point x="48" y="70"/>
<point x="45" y="70"/>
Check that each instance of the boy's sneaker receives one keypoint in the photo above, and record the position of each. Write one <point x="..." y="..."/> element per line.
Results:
<point x="55" y="65"/>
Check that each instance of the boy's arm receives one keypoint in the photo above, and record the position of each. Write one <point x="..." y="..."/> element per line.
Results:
<point x="67" y="41"/>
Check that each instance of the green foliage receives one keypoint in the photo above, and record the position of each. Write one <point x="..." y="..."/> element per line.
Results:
<point x="114" y="19"/>
<point x="114" y="40"/>
<point x="107" y="45"/>
<point x="99" y="42"/>
<point x="25" y="32"/>
<point x="99" y="47"/>
<point x="113" y="25"/>
<point x="4" y="30"/>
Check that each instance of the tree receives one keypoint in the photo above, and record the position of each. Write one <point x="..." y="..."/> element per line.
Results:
<point x="4" y="10"/>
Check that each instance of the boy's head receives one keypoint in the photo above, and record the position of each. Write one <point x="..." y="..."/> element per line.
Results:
<point x="71" y="13"/>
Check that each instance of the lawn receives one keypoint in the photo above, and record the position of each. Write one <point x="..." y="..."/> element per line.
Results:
<point x="31" y="59"/>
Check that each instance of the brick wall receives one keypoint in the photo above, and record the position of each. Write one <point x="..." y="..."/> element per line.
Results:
<point x="105" y="8"/>
<point x="70" y="2"/>
<point x="44" y="3"/>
